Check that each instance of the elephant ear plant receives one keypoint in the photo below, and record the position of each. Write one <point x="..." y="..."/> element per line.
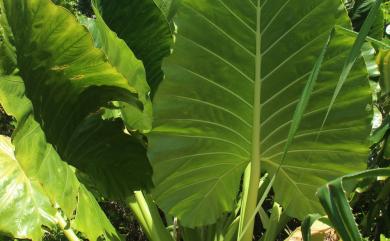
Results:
<point x="54" y="82"/>
<point x="226" y="106"/>
<point x="252" y="87"/>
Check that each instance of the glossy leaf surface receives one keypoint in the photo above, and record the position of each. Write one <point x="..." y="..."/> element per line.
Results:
<point x="54" y="89"/>
<point x="67" y="79"/>
<point x="23" y="200"/>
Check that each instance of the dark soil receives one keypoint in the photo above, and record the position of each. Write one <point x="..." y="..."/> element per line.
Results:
<point x="6" y="126"/>
<point x="123" y="220"/>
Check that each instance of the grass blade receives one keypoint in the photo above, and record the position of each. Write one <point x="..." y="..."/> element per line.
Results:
<point x="333" y="199"/>
<point x="336" y="205"/>
<point x="278" y="220"/>
<point x="306" y="225"/>
<point x="352" y="33"/>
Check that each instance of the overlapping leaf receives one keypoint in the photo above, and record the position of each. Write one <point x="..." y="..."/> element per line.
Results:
<point x="23" y="200"/>
<point x="67" y="79"/>
<point x="146" y="28"/>
<point x="114" y="161"/>
<point x="54" y="88"/>
<point x="202" y="137"/>
<point x="44" y="165"/>
<point x="26" y="207"/>
<point x="120" y="56"/>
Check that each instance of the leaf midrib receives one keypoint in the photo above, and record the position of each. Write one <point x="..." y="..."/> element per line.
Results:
<point x="256" y="126"/>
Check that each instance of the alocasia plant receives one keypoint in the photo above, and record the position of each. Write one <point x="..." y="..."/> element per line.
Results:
<point x="54" y="81"/>
<point x="231" y="87"/>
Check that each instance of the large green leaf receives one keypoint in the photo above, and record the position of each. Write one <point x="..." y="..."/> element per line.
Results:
<point x="146" y="28"/>
<point x="67" y="79"/>
<point x="26" y="206"/>
<point x="48" y="177"/>
<point x="91" y="220"/>
<point x="149" y="37"/>
<point x="54" y="89"/>
<point x="61" y="68"/>
<point x="203" y="129"/>
<point x="120" y="56"/>
<point x="22" y="199"/>
<point x="44" y="163"/>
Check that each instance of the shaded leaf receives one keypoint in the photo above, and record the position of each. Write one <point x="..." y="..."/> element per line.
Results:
<point x="111" y="158"/>
<point x="146" y="28"/>
<point x="55" y="89"/>
<point x="121" y="57"/>
<point x="67" y="80"/>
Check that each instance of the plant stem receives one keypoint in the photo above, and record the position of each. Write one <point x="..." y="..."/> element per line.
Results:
<point x="149" y="218"/>
<point x="278" y="221"/>
<point x="252" y="174"/>
<point x="69" y="233"/>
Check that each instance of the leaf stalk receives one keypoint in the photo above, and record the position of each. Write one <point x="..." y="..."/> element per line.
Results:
<point x="148" y="217"/>
<point x="252" y="174"/>
<point x="63" y="224"/>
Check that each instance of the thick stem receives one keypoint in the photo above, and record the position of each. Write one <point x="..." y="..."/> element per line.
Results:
<point x="252" y="174"/>
<point x="69" y="233"/>
<point x="149" y="218"/>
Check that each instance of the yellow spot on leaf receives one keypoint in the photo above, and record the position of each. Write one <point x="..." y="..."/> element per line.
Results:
<point x="77" y="77"/>
<point x="60" y="68"/>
